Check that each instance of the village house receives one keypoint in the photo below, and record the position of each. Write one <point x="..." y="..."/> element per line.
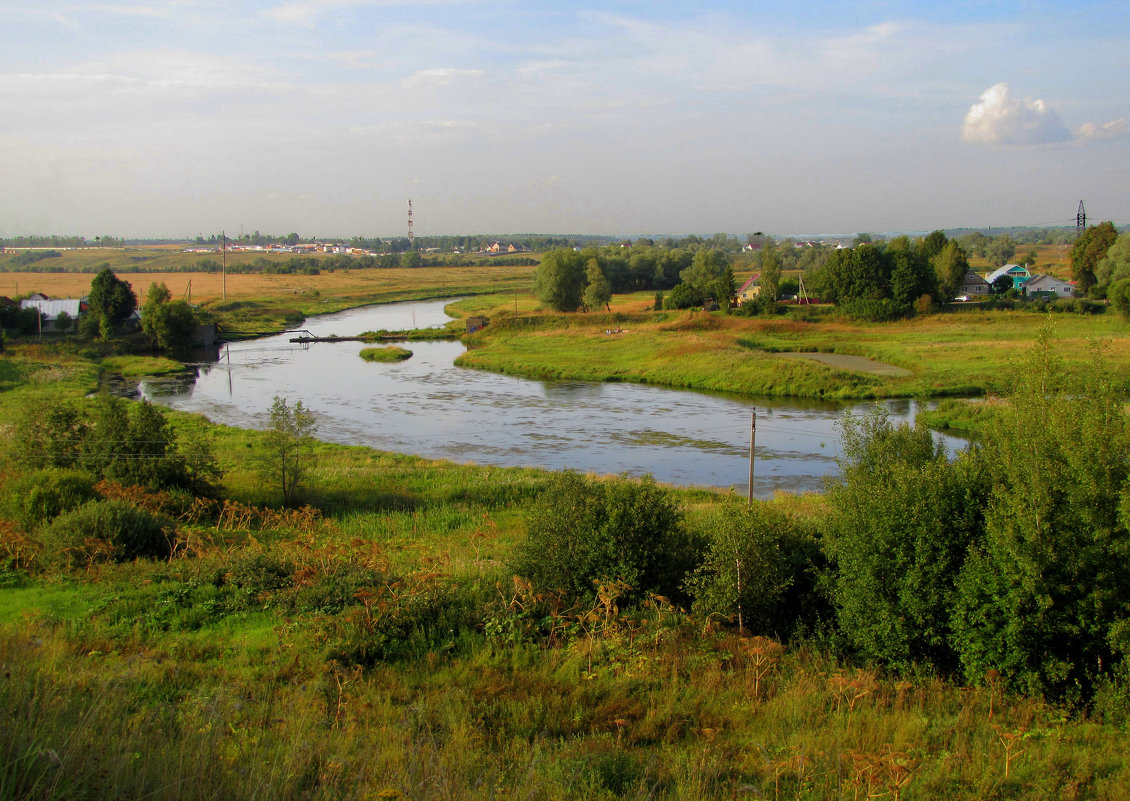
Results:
<point x="1045" y="286"/>
<point x="974" y="286"/>
<point x="750" y="290"/>
<point x="58" y="316"/>
<point x="1017" y="273"/>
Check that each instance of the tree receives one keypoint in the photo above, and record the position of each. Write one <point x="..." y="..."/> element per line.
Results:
<point x="560" y="279"/>
<point x="1088" y="250"/>
<point x="932" y="244"/>
<point x="598" y="292"/>
<point x="770" y="274"/>
<point x="1000" y="250"/>
<point x="288" y="445"/>
<point x="1119" y="295"/>
<point x="132" y="444"/>
<point x="707" y="266"/>
<point x="950" y="265"/>
<point x="759" y="570"/>
<point x="1044" y="600"/>
<point x="111" y="301"/>
<point x="1115" y="264"/>
<point x="169" y="324"/>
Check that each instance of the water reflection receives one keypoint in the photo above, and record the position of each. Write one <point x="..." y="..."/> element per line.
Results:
<point x="429" y="407"/>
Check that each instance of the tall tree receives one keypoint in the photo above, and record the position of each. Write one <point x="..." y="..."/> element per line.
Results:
<point x="597" y="289"/>
<point x="111" y="301"/>
<point x="1115" y="265"/>
<point x="560" y="279"/>
<point x="932" y="244"/>
<point x="169" y="324"/>
<point x="1000" y="250"/>
<point x="1088" y="250"/>
<point x="950" y="265"/>
<point x="770" y="280"/>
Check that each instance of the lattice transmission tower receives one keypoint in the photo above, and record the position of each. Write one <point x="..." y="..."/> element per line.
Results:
<point x="1080" y="220"/>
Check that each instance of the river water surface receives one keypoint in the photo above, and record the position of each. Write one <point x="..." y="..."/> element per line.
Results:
<point x="429" y="407"/>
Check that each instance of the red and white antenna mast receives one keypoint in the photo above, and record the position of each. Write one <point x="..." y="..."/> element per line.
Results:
<point x="411" y="234"/>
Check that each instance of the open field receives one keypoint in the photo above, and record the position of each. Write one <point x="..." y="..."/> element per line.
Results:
<point x="960" y="352"/>
<point x="264" y="302"/>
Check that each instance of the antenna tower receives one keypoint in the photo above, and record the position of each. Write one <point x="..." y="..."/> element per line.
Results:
<point x="1080" y="220"/>
<point x="411" y="235"/>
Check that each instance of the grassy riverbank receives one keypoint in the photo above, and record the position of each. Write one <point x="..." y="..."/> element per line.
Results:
<point x="965" y="352"/>
<point x="377" y="645"/>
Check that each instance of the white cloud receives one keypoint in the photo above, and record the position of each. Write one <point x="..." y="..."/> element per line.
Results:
<point x="439" y="76"/>
<point x="1107" y="130"/>
<point x="1000" y="119"/>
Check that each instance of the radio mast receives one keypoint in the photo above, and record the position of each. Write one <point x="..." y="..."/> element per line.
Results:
<point x="411" y="235"/>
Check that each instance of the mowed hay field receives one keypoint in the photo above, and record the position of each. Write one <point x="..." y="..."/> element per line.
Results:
<point x="338" y="285"/>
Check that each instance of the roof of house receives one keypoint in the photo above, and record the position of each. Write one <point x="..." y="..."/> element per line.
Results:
<point x="971" y="277"/>
<point x="752" y="280"/>
<point x="53" y="308"/>
<point x="1044" y="279"/>
<point x="1005" y="270"/>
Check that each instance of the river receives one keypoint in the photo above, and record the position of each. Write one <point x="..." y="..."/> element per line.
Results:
<point x="429" y="407"/>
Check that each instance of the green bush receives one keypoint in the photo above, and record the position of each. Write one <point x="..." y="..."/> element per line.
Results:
<point x="35" y="498"/>
<point x="900" y="522"/>
<point x="1044" y="599"/>
<point x="76" y="537"/>
<point x="585" y="530"/>
<point x="760" y="570"/>
<point x="875" y="311"/>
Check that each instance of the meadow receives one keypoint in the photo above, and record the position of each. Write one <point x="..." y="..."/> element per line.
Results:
<point x="377" y="642"/>
<point x="961" y="352"/>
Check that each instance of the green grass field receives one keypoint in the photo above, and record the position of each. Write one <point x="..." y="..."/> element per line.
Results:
<point x="963" y="352"/>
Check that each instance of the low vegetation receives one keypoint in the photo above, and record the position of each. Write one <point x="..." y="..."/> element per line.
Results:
<point x="392" y="353"/>
<point x="293" y="619"/>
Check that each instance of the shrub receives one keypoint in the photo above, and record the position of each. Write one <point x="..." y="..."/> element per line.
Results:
<point x="113" y="530"/>
<point x="1044" y="598"/>
<point x="900" y="523"/>
<point x="585" y="530"/>
<point x="760" y="570"/>
<point x="874" y="311"/>
<point x="683" y="296"/>
<point x="35" y="498"/>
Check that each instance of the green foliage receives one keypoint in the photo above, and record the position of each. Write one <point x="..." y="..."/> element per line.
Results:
<point x="37" y="497"/>
<point x="81" y="536"/>
<point x="586" y="530"/>
<point x="759" y="570"/>
<point x="1000" y="250"/>
<point x="900" y="522"/>
<point x="875" y="311"/>
<point x="1040" y="597"/>
<point x="560" y="279"/>
<point x="111" y="301"/>
<point x="950" y="265"/>
<point x="132" y="444"/>
<point x="1115" y="264"/>
<point x="598" y="292"/>
<point x="1090" y="249"/>
<point x="683" y="296"/>
<point x="392" y="353"/>
<point x="169" y="324"/>
<point x="1119" y="295"/>
<point x="287" y="449"/>
<point x="50" y="436"/>
<point x="770" y="281"/>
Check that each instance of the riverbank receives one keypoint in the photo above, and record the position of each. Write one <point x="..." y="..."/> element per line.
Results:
<point x="378" y="645"/>
<point x="951" y="354"/>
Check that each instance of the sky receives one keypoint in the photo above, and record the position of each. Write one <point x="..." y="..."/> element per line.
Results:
<point x="173" y="118"/>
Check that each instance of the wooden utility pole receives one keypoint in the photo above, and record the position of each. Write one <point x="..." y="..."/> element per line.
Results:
<point x="752" y="445"/>
<point x="224" y="247"/>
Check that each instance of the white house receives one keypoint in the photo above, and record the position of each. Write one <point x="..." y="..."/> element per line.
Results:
<point x="52" y="310"/>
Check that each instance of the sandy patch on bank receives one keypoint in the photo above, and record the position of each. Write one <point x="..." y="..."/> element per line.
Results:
<point x="856" y="363"/>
